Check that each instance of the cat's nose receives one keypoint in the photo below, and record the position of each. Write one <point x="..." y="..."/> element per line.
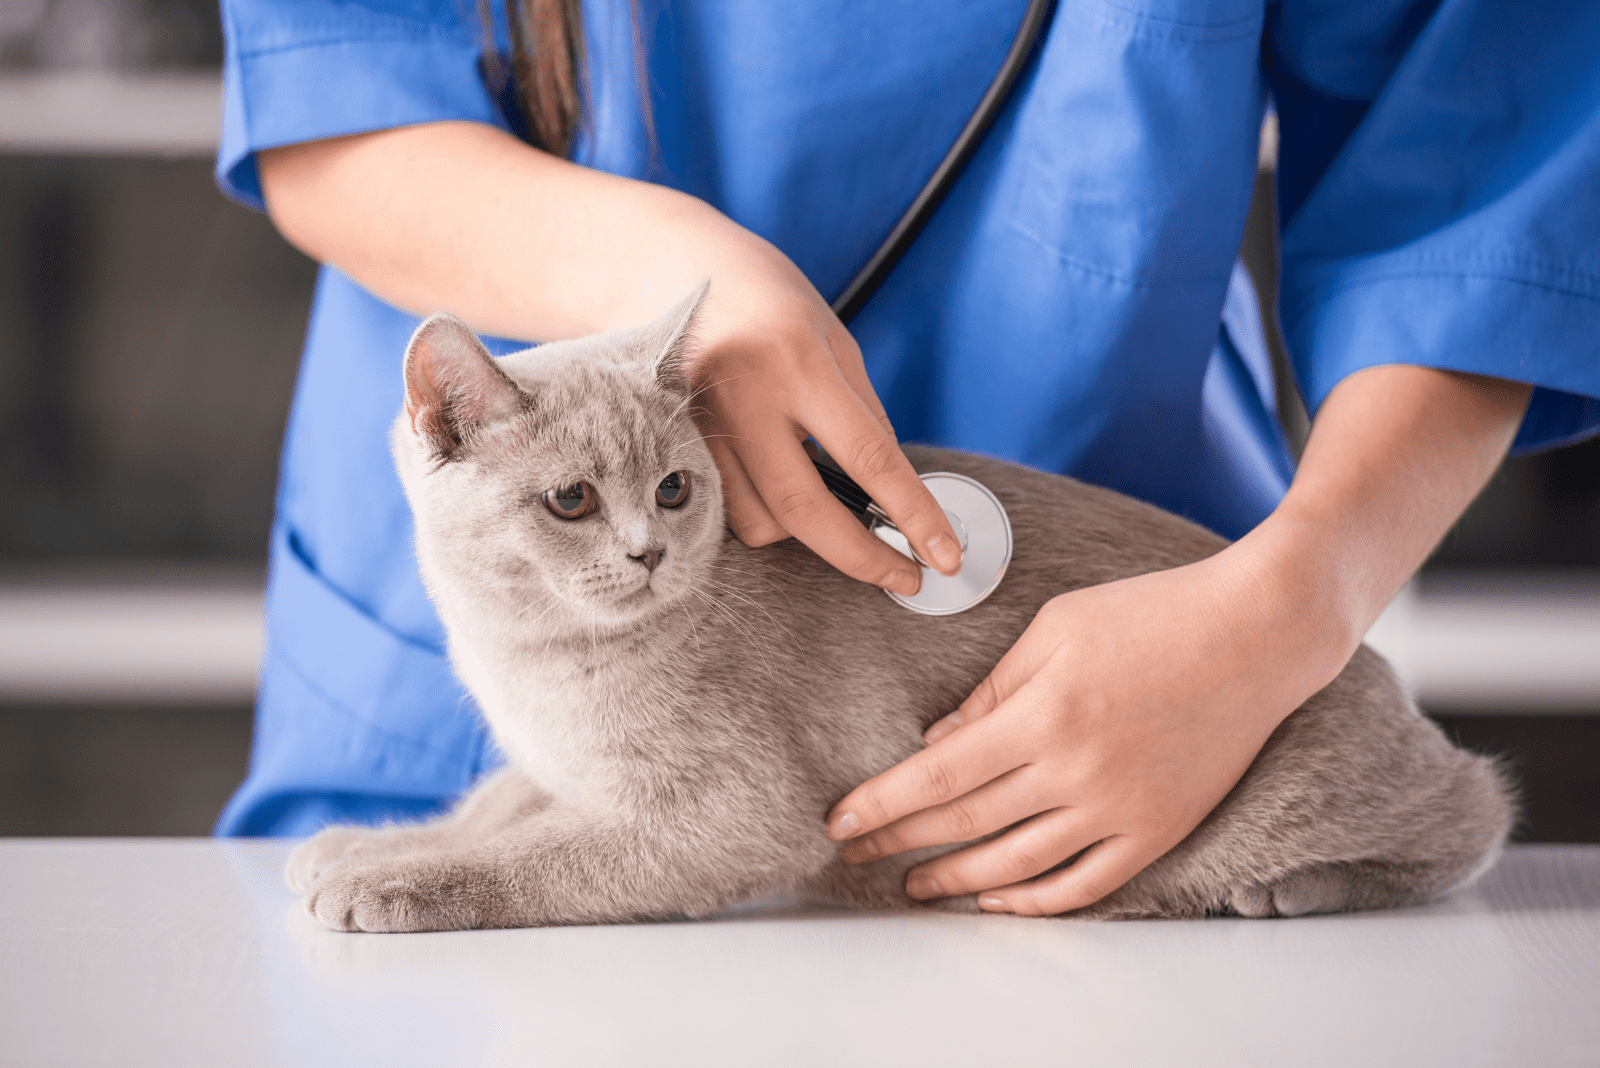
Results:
<point x="650" y="558"/>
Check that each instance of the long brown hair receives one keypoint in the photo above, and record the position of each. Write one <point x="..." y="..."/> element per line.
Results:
<point x="547" y="67"/>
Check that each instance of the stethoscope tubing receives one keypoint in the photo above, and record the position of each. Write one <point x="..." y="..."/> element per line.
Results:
<point x="866" y="282"/>
<point x="889" y="253"/>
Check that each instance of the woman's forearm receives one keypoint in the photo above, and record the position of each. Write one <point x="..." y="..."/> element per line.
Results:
<point x="1395" y="456"/>
<point x="461" y="216"/>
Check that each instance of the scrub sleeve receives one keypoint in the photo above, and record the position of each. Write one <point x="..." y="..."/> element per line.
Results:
<point x="1441" y="200"/>
<point x="1075" y="304"/>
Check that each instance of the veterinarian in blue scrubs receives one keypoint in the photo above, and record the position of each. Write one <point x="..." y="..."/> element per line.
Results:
<point x="1075" y="304"/>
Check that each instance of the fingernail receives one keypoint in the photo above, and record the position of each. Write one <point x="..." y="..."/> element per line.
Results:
<point x="945" y="553"/>
<point x="992" y="904"/>
<point x="921" y="886"/>
<point x="905" y="583"/>
<point x="860" y="851"/>
<point x="843" y="826"/>
<point x="942" y="728"/>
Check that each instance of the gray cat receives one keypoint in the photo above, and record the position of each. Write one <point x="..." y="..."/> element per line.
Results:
<point x="680" y="711"/>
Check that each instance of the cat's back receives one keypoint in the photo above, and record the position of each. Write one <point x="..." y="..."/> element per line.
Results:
<point x="1067" y="534"/>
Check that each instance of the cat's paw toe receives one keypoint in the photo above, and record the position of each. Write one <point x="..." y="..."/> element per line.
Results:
<point x="966" y="904"/>
<point x="318" y="853"/>
<point x="1323" y="888"/>
<point x="386" y="900"/>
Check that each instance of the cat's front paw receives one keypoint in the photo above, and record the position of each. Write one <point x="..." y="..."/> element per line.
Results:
<point x="399" y="896"/>
<point x="322" y="851"/>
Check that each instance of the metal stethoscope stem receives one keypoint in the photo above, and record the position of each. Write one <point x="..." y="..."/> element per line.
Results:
<point x="980" y="523"/>
<point x="881" y="521"/>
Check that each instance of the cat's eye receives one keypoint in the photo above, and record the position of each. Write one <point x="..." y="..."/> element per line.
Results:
<point x="572" y="502"/>
<point x="673" y="490"/>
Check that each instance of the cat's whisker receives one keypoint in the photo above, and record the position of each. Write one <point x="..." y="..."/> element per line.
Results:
<point x="593" y="626"/>
<point x="688" y="407"/>
<point x="745" y="631"/>
<point x="535" y="604"/>
<point x="763" y="579"/>
<point x="758" y="606"/>
<point x="684" y="408"/>
<point x="754" y="634"/>
<point x="766" y="585"/>
<point x="554" y="632"/>
<point x="694" y="393"/>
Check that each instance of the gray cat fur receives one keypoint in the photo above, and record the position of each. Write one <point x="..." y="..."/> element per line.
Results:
<point x="675" y="736"/>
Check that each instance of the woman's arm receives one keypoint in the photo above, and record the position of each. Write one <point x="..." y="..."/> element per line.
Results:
<point x="1394" y="458"/>
<point x="515" y="241"/>
<point x="463" y="217"/>
<point x="1127" y="711"/>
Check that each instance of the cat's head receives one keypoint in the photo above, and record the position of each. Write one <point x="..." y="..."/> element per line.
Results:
<point x="570" y="475"/>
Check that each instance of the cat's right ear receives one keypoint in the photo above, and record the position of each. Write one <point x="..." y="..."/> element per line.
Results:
<point x="453" y="385"/>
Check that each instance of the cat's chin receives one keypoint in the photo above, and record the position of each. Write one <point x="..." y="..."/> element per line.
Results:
<point x="626" y="609"/>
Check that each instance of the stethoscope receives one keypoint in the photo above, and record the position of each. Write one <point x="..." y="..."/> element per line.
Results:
<point x="975" y="514"/>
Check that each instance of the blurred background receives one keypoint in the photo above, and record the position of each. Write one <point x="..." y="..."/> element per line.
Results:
<point x="149" y="335"/>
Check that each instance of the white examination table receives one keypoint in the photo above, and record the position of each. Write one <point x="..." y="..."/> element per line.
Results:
<point x="190" y="952"/>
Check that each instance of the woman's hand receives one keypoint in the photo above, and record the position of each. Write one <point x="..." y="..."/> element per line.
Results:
<point x="1116" y="723"/>
<point x="522" y="244"/>
<point x="1127" y="711"/>
<point x="773" y="365"/>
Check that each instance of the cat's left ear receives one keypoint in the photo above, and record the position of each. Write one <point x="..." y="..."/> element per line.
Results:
<point x="670" y="339"/>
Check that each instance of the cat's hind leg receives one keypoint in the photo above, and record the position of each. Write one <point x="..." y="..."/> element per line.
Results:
<point x="489" y="806"/>
<point x="1319" y="887"/>
<point x="1433" y="841"/>
<point x="1355" y="886"/>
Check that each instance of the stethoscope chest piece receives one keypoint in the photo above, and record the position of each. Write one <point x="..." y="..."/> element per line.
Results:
<point x="981" y="525"/>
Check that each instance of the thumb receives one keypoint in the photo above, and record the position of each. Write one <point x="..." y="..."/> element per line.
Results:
<point x="747" y="515"/>
<point x="1020" y="664"/>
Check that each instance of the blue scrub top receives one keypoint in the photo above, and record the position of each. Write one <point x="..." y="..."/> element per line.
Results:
<point x="1075" y="303"/>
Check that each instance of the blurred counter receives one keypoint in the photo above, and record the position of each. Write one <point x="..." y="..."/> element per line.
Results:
<point x="105" y="113"/>
<point x="1526" y="643"/>
<point x="182" y="952"/>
